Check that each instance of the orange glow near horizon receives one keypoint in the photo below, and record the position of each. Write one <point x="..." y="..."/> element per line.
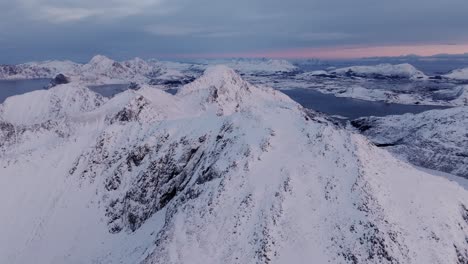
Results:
<point x="348" y="52"/>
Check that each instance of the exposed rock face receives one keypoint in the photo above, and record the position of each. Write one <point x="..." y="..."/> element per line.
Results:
<point x="24" y="71"/>
<point x="59" y="79"/>
<point x="221" y="172"/>
<point x="435" y="139"/>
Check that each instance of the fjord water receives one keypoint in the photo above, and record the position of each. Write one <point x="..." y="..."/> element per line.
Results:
<point x="14" y="87"/>
<point x="351" y="108"/>
<point x="109" y="90"/>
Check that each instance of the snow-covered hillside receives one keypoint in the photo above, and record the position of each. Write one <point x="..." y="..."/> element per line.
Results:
<point x="459" y="74"/>
<point x="221" y="172"/>
<point x="435" y="139"/>
<point x="401" y="71"/>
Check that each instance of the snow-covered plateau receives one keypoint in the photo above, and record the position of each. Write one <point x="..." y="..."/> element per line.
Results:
<point x="221" y="172"/>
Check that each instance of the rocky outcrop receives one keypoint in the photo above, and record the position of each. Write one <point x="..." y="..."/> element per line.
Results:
<point x="58" y="80"/>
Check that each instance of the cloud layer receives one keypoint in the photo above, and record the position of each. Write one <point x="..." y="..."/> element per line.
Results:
<point x="41" y="29"/>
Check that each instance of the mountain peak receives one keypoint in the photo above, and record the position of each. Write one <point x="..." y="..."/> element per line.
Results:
<point x="221" y="73"/>
<point x="219" y="86"/>
<point x="220" y="77"/>
<point x="98" y="59"/>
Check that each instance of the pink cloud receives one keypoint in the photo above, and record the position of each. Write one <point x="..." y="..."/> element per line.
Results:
<point x="347" y="52"/>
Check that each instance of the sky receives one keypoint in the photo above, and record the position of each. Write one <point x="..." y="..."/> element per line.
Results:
<point x="328" y="29"/>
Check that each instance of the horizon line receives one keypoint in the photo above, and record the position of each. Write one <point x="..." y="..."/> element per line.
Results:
<point x="335" y="53"/>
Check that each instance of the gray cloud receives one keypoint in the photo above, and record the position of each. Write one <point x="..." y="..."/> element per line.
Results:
<point x="43" y="29"/>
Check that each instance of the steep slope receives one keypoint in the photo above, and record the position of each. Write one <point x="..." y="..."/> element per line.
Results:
<point x="222" y="172"/>
<point x="435" y="139"/>
<point x="47" y="105"/>
<point x="400" y="71"/>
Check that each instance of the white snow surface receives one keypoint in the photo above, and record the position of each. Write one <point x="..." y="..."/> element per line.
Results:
<point x="459" y="74"/>
<point x="255" y="66"/>
<point x="436" y="139"/>
<point x="222" y="172"/>
<point x="404" y="70"/>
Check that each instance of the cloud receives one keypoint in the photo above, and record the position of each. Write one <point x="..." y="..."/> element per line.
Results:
<point x="140" y="27"/>
<point x="173" y="31"/>
<point x="192" y="31"/>
<point x="65" y="11"/>
<point x="320" y="36"/>
<point x="60" y="14"/>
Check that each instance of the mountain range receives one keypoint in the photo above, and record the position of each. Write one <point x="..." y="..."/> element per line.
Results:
<point x="221" y="172"/>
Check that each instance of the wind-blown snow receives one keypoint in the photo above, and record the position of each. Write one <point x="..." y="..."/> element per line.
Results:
<point x="221" y="172"/>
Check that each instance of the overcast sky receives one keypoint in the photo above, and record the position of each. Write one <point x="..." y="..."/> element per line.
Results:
<point x="78" y="29"/>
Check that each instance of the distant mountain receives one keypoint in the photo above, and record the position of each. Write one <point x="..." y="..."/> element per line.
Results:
<point x="459" y="74"/>
<point x="259" y="66"/>
<point x="103" y="70"/>
<point x="221" y="172"/>
<point x="37" y="70"/>
<point x="255" y="66"/>
<point x="399" y="71"/>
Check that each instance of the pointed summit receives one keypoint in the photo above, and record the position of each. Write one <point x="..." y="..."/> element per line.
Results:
<point x="220" y="86"/>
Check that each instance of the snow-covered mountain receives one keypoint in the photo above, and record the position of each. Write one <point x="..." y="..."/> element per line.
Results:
<point x="436" y="139"/>
<point x="221" y="172"/>
<point x="99" y="70"/>
<point x="102" y="70"/>
<point x="399" y="71"/>
<point x="459" y="74"/>
<point x="37" y="70"/>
